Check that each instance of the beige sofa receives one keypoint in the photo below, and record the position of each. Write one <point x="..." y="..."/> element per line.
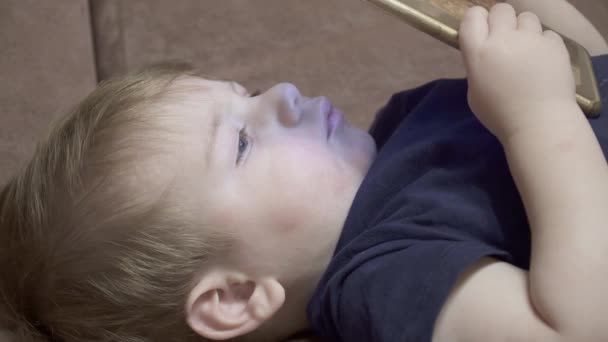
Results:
<point x="52" y="53"/>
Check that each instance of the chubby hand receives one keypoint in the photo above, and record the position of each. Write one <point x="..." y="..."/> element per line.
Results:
<point x="516" y="72"/>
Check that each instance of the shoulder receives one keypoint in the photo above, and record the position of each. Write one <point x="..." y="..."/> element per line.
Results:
<point x="391" y="284"/>
<point x="420" y="99"/>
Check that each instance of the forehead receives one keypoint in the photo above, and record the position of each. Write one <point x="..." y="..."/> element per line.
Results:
<point x="198" y="84"/>
<point x="196" y="109"/>
<point x="194" y="98"/>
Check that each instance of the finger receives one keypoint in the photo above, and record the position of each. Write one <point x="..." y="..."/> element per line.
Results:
<point x="473" y="30"/>
<point x="502" y="18"/>
<point x="529" y="21"/>
<point x="553" y="36"/>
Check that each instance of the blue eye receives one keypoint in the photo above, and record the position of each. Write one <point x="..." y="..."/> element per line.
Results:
<point x="243" y="144"/>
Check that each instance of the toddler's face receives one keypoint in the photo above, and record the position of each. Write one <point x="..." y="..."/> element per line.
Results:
<point x="278" y="170"/>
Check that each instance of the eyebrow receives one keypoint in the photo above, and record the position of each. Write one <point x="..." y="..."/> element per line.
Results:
<point x="233" y="85"/>
<point x="212" y="140"/>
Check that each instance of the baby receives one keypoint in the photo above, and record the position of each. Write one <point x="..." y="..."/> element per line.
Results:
<point x="168" y="207"/>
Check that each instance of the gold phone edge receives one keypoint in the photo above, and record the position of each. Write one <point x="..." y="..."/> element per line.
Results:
<point x="590" y="103"/>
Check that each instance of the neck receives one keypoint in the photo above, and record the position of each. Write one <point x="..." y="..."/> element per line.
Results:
<point x="291" y="318"/>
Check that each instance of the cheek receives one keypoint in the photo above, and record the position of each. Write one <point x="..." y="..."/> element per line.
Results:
<point x="306" y="194"/>
<point x="286" y="222"/>
<point x="288" y="192"/>
<point x="303" y="153"/>
<point x="309" y="172"/>
<point x="289" y="202"/>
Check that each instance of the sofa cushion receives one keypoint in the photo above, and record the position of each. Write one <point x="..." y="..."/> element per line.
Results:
<point x="348" y="50"/>
<point x="46" y="65"/>
<point x="345" y="49"/>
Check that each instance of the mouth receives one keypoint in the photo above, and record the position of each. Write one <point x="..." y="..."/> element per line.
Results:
<point x="335" y="118"/>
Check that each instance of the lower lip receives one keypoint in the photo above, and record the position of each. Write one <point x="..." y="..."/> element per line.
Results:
<point x="334" y="120"/>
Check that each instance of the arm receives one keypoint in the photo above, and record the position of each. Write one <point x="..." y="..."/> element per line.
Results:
<point x="521" y="88"/>
<point x="563" y="181"/>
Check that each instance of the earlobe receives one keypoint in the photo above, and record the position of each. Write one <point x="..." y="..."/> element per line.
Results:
<point x="225" y="305"/>
<point x="266" y="299"/>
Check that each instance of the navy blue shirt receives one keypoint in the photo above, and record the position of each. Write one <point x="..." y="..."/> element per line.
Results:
<point x="438" y="197"/>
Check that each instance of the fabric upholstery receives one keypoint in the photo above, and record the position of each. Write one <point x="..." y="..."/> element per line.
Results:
<point x="54" y="52"/>
<point x="46" y="64"/>
<point x="348" y="50"/>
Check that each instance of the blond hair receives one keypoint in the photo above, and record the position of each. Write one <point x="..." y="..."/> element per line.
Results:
<point x="85" y="254"/>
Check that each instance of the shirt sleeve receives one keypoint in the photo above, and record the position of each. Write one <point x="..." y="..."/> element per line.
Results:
<point x="395" y="290"/>
<point x="398" y="107"/>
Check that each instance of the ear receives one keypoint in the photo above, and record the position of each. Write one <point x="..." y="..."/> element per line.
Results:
<point x="224" y="305"/>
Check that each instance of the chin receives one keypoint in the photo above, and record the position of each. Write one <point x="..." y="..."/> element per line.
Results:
<point x="359" y="149"/>
<point x="367" y="153"/>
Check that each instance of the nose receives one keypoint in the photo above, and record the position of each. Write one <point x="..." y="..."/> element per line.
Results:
<point x="287" y="99"/>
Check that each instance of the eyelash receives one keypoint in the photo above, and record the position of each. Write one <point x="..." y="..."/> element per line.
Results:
<point x="242" y="137"/>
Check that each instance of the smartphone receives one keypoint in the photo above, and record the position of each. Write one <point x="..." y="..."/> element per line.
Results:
<point x="441" y="19"/>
